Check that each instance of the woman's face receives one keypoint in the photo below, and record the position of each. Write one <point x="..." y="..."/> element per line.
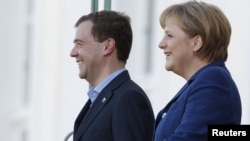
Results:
<point x="177" y="46"/>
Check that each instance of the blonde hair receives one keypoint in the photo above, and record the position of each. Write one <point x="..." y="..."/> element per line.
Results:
<point x="206" y="20"/>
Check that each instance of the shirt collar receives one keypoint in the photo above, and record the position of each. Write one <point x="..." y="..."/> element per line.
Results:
<point x="94" y="91"/>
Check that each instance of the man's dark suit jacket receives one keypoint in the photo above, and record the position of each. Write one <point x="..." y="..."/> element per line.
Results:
<point x="121" y="112"/>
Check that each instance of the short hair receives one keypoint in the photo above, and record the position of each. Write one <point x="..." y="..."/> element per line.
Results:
<point x="111" y="24"/>
<point x="206" y="20"/>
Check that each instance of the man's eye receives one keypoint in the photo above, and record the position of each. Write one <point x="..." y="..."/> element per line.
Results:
<point x="169" y="35"/>
<point x="78" y="43"/>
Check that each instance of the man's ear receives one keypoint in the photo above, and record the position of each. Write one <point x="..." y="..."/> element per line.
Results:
<point x="197" y="42"/>
<point x="109" y="46"/>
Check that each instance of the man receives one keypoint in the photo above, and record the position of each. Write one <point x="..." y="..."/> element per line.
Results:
<point x="117" y="109"/>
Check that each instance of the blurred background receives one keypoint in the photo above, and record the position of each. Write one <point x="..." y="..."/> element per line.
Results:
<point x="41" y="93"/>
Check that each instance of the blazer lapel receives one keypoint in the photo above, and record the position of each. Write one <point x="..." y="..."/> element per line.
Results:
<point x="165" y="109"/>
<point x="100" y="102"/>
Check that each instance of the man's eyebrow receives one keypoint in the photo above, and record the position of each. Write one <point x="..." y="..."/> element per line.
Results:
<point x="77" y="40"/>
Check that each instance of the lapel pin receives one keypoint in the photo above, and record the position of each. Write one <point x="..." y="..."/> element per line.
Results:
<point x="103" y="100"/>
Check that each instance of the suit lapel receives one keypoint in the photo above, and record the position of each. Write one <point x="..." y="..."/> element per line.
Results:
<point x="100" y="102"/>
<point x="80" y="118"/>
<point x="92" y="113"/>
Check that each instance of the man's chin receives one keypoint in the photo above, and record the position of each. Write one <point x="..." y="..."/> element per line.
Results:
<point x="81" y="76"/>
<point x="167" y="67"/>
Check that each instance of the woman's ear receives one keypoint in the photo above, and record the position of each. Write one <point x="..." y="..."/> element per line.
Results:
<point x="109" y="46"/>
<point x="198" y="43"/>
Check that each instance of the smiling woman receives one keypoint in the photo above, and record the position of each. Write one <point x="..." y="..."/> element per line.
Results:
<point x="197" y="52"/>
<point x="179" y="48"/>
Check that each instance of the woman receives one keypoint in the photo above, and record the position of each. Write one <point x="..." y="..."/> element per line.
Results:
<point x="195" y="42"/>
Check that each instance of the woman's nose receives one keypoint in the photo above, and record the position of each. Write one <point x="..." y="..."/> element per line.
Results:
<point x="162" y="44"/>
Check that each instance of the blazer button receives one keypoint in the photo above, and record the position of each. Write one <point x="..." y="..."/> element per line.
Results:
<point x="163" y="115"/>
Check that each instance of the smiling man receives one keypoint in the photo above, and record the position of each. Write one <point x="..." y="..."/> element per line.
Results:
<point x="118" y="109"/>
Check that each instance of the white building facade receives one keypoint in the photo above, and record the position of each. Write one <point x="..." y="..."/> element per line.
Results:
<point x="41" y="93"/>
